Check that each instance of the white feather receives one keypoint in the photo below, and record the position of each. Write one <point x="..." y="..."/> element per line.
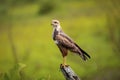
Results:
<point x="56" y="42"/>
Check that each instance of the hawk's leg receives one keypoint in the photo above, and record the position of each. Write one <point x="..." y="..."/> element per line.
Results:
<point x="64" y="52"/>
<point x="64" y="61"/>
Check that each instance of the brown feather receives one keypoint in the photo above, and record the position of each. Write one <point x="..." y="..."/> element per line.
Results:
<point x="64" y="51"/>
<point x="65" y="43"/>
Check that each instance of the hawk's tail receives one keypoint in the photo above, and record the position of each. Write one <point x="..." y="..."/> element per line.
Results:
<point x="83" y="54"/>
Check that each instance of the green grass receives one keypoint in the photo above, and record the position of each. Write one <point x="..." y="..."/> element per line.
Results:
<point x="32" y="37"/>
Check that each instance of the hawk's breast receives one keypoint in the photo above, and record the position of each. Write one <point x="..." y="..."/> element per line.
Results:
<point x="56" y="42"/>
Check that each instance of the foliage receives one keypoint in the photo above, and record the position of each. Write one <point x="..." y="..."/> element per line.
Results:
<point x="47" y="7"/>
<point x="111" y="9"/>
<point x="16" y="73"/>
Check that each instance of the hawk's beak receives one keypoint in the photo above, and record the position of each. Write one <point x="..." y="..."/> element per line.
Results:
<point x="51" y="24"/>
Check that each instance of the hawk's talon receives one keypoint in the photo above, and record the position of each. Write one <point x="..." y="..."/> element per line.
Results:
<point x="64" y="65"/>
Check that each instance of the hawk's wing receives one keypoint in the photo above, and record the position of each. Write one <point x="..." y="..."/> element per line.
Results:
<point x="64" y="41"/>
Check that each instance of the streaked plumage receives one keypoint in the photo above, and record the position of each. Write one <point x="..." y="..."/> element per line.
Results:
<point x="65" y="43"/>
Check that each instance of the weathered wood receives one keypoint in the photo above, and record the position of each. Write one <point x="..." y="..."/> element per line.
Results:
<point x="68" y="73"/>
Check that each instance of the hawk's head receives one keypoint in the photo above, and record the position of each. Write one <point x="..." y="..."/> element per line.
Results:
<point x="55" y="23"/>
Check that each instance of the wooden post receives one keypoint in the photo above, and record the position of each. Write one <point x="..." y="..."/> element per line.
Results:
<point x="68" y="73"/>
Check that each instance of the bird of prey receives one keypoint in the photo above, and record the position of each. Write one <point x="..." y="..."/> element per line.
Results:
<point x="65" y="43"/>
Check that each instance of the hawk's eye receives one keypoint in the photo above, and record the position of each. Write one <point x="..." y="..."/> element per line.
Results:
<point x="55" y="22"/>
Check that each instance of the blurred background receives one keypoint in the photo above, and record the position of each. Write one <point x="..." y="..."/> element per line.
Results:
<point x="27" y="51"/>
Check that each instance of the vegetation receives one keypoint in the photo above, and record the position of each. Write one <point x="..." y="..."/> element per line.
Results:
<point x="27" y="51"/>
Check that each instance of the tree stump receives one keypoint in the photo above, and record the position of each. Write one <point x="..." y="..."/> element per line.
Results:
<point x="68" y="73"/>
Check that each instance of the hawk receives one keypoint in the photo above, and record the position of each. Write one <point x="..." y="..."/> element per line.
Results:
<point x="65" y="43"/>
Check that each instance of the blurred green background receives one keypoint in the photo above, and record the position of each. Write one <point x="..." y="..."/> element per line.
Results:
<point x="27" y="51"/>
